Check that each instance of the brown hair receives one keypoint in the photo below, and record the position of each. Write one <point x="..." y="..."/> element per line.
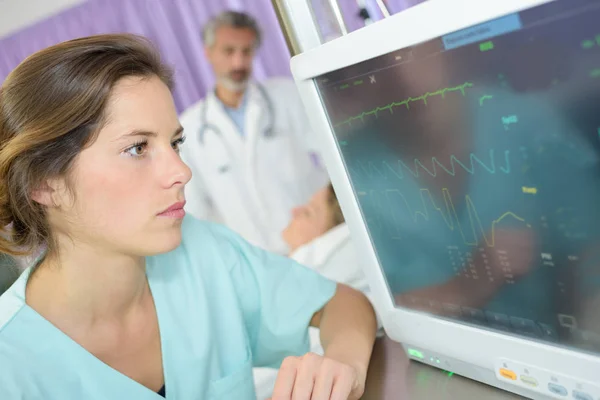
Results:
<point x="51" y="107"/>
<point x="334" y="206"/>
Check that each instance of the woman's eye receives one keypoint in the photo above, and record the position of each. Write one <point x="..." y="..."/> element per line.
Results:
<point x="177" y="143"/>
<point x="137" y="150"/>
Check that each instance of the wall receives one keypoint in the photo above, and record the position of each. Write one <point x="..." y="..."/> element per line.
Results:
<point x="18" y="14"/>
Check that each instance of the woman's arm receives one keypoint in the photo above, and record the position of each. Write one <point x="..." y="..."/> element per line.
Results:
<point x="348" y="327"/>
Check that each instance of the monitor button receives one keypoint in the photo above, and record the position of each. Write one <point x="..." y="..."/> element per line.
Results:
<point x="452" y="310"/>
<point x="548" y="332"/>
<point x="528" y="380"/>
<point x="508" y="374"/>
<point x="474" y="315"/>
<point x="525" y="327"/>
<point x="557" y="389"/>
<point x="498" y="321"/>
<point x="577" y="395"/>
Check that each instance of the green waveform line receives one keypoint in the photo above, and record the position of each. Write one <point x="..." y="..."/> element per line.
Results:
<point x="450" y="216"/>
<point x="483" y="98"/>
<point x="370" y="170"/>
<point x="406" y="102"/>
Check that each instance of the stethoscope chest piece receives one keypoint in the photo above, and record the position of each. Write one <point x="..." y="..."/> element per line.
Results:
<point x="269" y="133"/>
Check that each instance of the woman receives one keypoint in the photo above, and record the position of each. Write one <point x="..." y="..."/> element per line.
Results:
<point x="131" y="299"/>
<point x="318" y="238"/>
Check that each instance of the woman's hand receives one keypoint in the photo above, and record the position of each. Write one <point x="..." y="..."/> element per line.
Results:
<point x="348" y="326"/>
<point x="312" y="377"/>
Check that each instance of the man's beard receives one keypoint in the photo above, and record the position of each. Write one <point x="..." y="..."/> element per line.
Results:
<point x="235" y="85"/>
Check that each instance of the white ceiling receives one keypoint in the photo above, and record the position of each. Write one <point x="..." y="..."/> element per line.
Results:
<point x="18" y="14"/>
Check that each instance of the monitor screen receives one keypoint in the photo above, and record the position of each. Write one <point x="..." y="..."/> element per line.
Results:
<point x="475" y="161"/>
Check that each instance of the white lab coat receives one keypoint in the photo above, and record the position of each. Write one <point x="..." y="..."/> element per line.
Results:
<point x="334" y="257"/>
<point x="251" y="183"/>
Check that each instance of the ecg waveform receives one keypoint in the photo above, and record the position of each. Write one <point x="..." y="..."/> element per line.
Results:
<point x="371" y="171"/>
<point x="485" y="97"/>
<point x="450" y="216"/>
<point x="406" y="102"/>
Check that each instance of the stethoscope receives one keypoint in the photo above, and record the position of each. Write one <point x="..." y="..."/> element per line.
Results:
<point x="207" y="126"/>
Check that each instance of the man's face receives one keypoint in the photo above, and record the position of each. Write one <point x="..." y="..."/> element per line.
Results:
<point x="231" y="56"/>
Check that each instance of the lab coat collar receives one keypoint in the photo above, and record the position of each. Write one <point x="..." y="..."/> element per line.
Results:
<point x="254" y="94"/>
<point x="257" y="112"/>
<point x="243" y="101"/>
<point x="256" y="123"/>
<point x="217" y="116"/>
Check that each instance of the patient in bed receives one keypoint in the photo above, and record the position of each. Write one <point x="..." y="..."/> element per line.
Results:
<point x="319" y="239"/>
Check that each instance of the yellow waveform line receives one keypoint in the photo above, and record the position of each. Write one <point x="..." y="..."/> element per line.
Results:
<point x="406" y="102"/>
<point x="451" y="215"/>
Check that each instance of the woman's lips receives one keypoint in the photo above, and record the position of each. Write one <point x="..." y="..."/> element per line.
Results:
<point x="174" y="211"/>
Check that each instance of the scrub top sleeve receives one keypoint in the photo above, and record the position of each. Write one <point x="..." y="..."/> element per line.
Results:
<point x="278" y="298"/>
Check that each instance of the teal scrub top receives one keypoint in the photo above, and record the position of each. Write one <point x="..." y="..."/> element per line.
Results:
<point x="223" y="307"/>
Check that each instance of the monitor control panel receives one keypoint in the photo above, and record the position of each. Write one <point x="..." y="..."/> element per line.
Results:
<point x="546" y="382"/>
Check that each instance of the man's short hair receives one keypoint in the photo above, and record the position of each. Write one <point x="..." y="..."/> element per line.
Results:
<point x="233" y="19"/>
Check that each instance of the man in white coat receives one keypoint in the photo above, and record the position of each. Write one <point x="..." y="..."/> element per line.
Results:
<point x="249" y="144"/>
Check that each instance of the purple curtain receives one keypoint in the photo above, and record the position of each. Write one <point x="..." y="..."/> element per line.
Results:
<point x="395" y="6"/>
<point x="350" y="10"/>
<point x="173" y="25"/>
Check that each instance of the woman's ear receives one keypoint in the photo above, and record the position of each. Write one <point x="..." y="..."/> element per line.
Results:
<point x="50" y="193"/>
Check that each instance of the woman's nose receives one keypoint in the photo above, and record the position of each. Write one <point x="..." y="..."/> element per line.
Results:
<point x="296" y="211"/>
<point x="176" y="171"/>
<point x="184" y="172"/>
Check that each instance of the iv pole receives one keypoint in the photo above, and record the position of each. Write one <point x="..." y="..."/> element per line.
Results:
<point x="299" y="24"/>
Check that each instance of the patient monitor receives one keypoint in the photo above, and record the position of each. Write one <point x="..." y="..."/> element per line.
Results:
<point x="463" y="140"/>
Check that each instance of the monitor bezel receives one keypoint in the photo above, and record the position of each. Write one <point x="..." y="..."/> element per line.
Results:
<point x="477" y="346"/>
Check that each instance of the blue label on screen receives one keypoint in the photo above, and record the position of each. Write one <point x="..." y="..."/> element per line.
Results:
<point x="482" y="32"/>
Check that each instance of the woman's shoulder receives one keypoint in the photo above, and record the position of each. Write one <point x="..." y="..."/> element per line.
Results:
<point x="15" y="379"/>
<point x="11" y="303"/>
<point x="13" y="339"/>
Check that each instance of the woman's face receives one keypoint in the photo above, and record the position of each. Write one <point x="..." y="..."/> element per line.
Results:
<point x="309" y="221"/>
<point x="123" y="182"/>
